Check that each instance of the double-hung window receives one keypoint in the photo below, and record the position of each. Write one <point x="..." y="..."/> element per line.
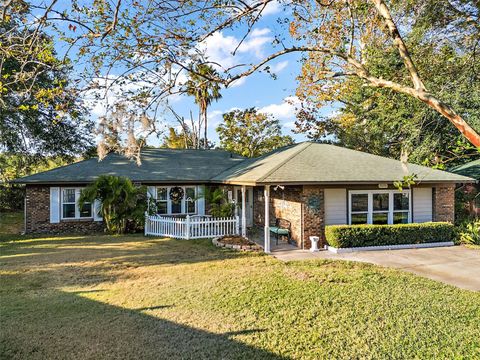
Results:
<point x="70" y="207"/>
<point x="185" y="205"/>
<point x="379" y="207"/>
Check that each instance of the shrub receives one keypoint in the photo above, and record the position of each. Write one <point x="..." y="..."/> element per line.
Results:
<point x="123" y="204"/>
<point x="469" y="234"/>
<point x="344" y="236"/>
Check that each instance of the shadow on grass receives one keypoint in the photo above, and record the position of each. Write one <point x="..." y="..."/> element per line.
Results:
<point x="130" y="251"/>
<point x="59" y="324"/>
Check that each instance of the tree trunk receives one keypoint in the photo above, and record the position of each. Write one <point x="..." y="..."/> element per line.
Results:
<point x="451" y="115"/>
<point x="205" y="143"/>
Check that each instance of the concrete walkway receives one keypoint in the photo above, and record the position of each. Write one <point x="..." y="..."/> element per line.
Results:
<point x="455" y="265"/>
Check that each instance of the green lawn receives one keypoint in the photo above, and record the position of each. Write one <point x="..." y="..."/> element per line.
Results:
<point x="132" y="297"/>
<point x="11" y="223"/>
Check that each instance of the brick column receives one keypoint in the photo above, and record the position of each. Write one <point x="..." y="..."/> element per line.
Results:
<point x="444" y="203"/>
<point x="313" y="214"/>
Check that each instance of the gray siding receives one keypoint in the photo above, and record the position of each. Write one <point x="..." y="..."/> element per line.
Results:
<point x="335" y="206"/>
<point x="422" y="205"/>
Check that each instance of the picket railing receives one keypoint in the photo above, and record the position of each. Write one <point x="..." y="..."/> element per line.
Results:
<point x="191" y="227"/>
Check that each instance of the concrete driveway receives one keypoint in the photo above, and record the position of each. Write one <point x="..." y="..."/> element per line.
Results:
<point x="455" y="265"/>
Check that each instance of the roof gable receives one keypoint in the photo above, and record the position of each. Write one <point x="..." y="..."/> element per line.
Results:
<point x="311" y="162"/>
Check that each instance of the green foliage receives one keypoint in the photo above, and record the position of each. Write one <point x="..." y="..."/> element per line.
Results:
<point x="345" y="236"/>
<point x="218" y="201"/>
<point x="467" y="201"/>
<point x="385" y="122"/>
<point x="123" y="204"/>
<point x="40" y="113"/>
<point x="469" y="233"/>
<point x="13" y="166"/>
<point x="250" y="133"/>
<point x="204" y="91"/>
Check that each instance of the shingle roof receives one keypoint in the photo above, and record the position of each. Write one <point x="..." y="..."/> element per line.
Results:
<point x="311" y="162"/>
<point x="158" y="165"/>
<point x="302" y="163"/>
<point x="471" y="169"/>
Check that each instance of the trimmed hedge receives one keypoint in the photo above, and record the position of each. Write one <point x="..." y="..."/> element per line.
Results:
<point x="346" y="236"/>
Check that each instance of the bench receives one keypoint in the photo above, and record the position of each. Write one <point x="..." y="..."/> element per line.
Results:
<point x="282" y="227"/>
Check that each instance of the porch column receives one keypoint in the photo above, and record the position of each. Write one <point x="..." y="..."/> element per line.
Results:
<point x="266" y="196"/>
<point x="244" y="216"/>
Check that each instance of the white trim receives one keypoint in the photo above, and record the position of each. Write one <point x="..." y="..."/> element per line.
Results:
<point x="370" y="210"/>
<point x="55" y="194"/>
<point x="389" y="247"/>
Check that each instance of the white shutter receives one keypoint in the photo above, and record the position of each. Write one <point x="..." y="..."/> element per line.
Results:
<point x="150" y="192"/>
<point x="335" y="206"/>
<point x="54" y="205"/>
<point x="201" y="199"/>
<point x="422" y="204"/>
<point x="97" y="211"/>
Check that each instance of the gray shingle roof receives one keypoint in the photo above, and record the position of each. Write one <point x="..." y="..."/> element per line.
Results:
<point x="158" y="165"/>
<point x="302" y="163"/>
<point x="310" y="162"/>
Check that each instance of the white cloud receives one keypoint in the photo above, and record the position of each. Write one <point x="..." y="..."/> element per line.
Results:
<point x="278" y="67"/>
<point x="238" y="82"/>
<point x="283" y="111"/>
<point x="219" y="48"/>
<point x="272" y="8"/>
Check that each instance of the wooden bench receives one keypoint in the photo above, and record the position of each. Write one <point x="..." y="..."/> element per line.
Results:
<point x="282" y="227"/>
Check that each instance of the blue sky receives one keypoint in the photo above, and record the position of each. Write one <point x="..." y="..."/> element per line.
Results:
<point x="273" y="96"/>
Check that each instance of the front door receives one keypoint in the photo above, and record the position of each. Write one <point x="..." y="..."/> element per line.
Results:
<point x="248" y="203"/>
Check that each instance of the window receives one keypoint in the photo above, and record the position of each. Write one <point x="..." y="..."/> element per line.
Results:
<point x="379" y="207"/>
<point x="162" y="202"/>
<point x="70" y="208"/>
<point x="186" y="205"/>
<point x="190" y="200"/>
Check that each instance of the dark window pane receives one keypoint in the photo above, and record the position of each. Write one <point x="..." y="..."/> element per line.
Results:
<point x="359" y="202"/>
<point x="359" y="219"/>
<point x="69" y="195"/>
<point x="400" y="202"/>
<point x="161" y="193"/>
<point x="68" y="210"/>
<point x="161" y="207"/>
<point x="400" y="217"/>
<point x="176" y="207"/>
<point x="190" y="207"/>
<point x="380" y="202"/>
<point x="380" y="218"/>
<point x="190" y="193"/>
<point x="86" y="210"/>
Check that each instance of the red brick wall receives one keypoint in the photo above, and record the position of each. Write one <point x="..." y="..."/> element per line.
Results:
<point x="292" y="203"/>
<point x="444" y="203"/>
<point x="313" y="214"/>
<point x="287" y="204"/>
<point x="37" y="213"/>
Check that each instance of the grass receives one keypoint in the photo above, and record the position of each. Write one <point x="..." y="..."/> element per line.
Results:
<point x="11" y="223"/>
<point x="109" y="297"/>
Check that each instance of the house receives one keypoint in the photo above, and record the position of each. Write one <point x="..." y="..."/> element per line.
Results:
<point x="310" y="184"/>
<point x="470" y="192"/>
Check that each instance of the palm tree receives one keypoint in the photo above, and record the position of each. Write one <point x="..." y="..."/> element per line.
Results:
<point x="204" y="91"/>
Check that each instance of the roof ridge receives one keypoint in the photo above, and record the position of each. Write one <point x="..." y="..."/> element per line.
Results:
<point x="275" y="168"/>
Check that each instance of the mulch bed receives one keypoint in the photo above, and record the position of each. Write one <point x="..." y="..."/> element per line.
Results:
<point x="236" y="243"/>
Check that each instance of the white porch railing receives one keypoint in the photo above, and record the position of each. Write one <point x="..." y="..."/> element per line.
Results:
<point x="191" y="227"/>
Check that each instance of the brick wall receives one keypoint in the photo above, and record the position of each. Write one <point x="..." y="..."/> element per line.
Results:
<point x="287" y="204"/>
<point x="303" y="206"/>
<point x="444" y="203"/>
<point x="313" y="214"/>
<point x="38" y="215"/>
